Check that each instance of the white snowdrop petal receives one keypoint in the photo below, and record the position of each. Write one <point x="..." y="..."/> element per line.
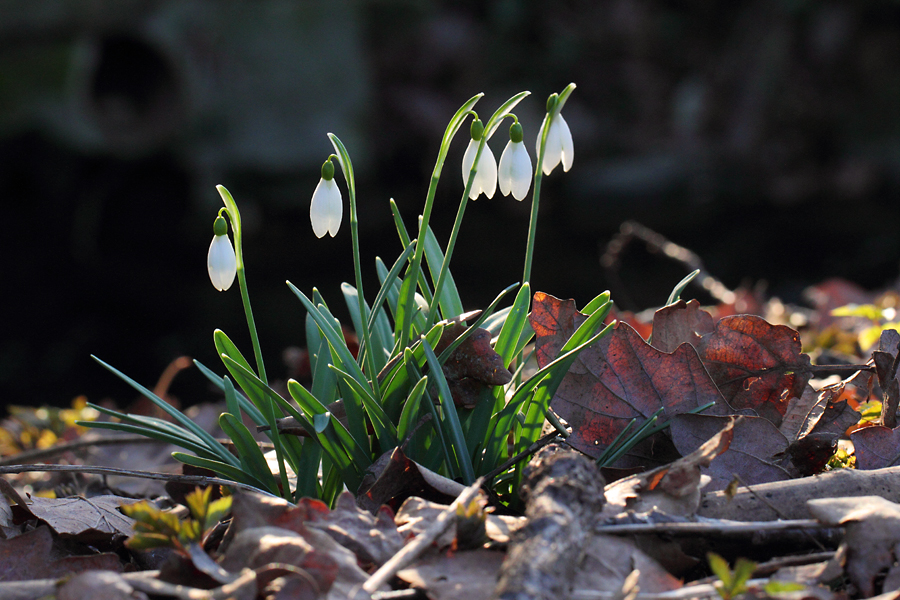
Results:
<point x="487" y="172"/>
<point x="504" y="170"/>
<point x="566" y="143"/>
<point x="520" y="171"/>
<point x="553" y="149"/>
<point x="421" y="302"/>
<point x="221" y="263"/>
<point x="326" y="209"/>
<point x="467" y="162"/>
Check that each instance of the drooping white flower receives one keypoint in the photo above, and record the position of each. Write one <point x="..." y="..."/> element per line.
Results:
<point x="327" y="207"/>
<point x="486" y="174"/>
<point x="559" y="145"/>
<point x="515" y="171"/>
<point x="220" y="261"/>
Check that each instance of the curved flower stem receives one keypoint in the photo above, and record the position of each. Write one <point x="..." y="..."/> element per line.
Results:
<point x="489" y="129"/>
<point x="538" y="177"/>
<point x="347" y="167"/>
<point x="535" y="203"/>
<point x="408" y="293"/>
<point x="235" y="216"/>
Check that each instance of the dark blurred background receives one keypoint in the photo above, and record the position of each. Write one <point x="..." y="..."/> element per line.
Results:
<point x="762" y="134"/>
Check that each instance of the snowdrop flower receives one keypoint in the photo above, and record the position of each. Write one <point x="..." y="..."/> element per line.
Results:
<point x="559" y="140"/>
<point x="515" y="172"/>
<point x="220" y="261"/>
<point x="327" y="207"/>
<point x="486" y="174"/>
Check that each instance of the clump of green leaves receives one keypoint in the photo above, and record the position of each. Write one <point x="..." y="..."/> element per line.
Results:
<point x="394" y="391"/>
<point x="156" y="528"/>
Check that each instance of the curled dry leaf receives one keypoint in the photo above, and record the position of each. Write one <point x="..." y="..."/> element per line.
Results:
<point x="876" y="447"/>
<point x="755" y="364"/>
<point x="473" y="368"/>
<point x="673" y="489"/>
<point x="27" y="556"/>
<point x="887" y="364"/>
<point x="394" y="477"/>
<point x="872" y="533"/>
<point x="372" y="538"/>
<point x="86" y="518"/>
<point x="754" y="450"/>
<point x="680" y="323"/>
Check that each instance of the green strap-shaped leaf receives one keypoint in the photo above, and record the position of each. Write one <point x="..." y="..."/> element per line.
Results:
<point x="675" y="296"/>
<point x="335" y="440"/>
<point x="441" y="442"/>
<point x="324" y="383"/>
<point x="252" y="459"/>
<point x="445" y="354"/>
<point x="502" y="422"/>
<point x="381" y="346"/>
<point x="513" y="325"/>
<point x="385" y="431"/>
<point x="150" y="433"/>
<point x="244" y="403"/>
<point x="231" y="401"/>
<point x="407" y="421"/>
<point x="225" y="346"/>
<point x="335" y="338"/>
<point x="598" y="301"/>
<point x="397" y="381"/>
<point x="387" y="280"/>
<point x="449" y="301"/>
<point x="226" y="471"/>
<point x="176" y="414"/>
<point x="451" y="419"/>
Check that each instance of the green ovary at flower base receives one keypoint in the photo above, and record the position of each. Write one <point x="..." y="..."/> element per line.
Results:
<point x="486" y="174"/>
<point x="327" y="207"/>
<point x="220" y="261"/>
<point x="515" y="171"/>
<point x="560" y="147"/>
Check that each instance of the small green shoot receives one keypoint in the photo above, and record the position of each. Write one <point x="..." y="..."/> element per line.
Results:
<point x="155" y="528"/>
<point x="731" y="583"/>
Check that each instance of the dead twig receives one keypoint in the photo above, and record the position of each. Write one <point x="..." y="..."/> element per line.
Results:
<point x="412" y="550"/>
<point x="724" y="528"/>
<point x="88" y="441"/>
<point x="188" y="479"/>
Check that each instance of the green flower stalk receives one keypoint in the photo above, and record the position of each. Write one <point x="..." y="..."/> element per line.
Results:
<point x="408" y="289"/>
<point x="235" y="216"/>
<point x="489" y="129"/>
<point x="554" y="144"/>
<point x="347" y="167"/>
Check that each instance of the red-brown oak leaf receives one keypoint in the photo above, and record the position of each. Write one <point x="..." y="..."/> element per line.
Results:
<point x="473" y="367"/>
<point x="619" y="378"/>
<point x="680" y="322"/>
<point x="756" y="365"/>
